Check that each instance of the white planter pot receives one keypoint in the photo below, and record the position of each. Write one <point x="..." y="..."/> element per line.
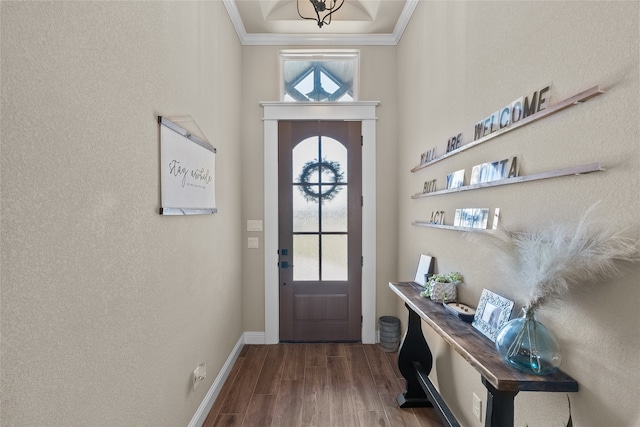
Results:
<point x="443" y="292"/>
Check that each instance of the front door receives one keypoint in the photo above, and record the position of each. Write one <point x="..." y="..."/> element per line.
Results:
<point x="320" y="241"/>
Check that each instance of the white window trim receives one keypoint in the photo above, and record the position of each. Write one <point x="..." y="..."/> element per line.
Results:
<point x="355" y="111"/>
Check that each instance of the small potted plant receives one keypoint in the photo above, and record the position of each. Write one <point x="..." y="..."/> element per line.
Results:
<point x="442" y="287"/>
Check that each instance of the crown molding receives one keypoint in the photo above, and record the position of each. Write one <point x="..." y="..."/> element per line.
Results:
<point x="316" y="40"/>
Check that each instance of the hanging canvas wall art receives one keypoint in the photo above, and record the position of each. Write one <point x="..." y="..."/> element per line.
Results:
<point x="187" y="172"/>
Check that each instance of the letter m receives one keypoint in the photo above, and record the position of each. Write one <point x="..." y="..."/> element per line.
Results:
<point x="529" y="109"/>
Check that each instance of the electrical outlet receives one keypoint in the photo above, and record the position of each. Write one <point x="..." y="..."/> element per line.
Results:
<point x="477" y="407"/>
<point x="199" y="374"/>
<point x="196" y="378"/>
<point x="253" y="243"/>
<point x="203" y="370"/>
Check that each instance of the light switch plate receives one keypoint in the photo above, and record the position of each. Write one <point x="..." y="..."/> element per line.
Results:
<point x="254" y="225"/>
<point x="253" y="243"/>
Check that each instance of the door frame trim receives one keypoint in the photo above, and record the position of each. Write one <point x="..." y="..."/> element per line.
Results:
<point x="365" y="112"/>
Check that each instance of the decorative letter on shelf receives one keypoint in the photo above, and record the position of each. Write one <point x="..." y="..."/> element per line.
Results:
<point x="187" y="172"/>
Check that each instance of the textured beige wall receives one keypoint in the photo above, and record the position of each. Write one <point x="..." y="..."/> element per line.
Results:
<point x="461" y="61"/>
<point x="107" y="307"/>
<point x="377" y="83"/>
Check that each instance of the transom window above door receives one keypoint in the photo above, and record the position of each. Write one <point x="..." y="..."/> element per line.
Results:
<point x="319" y="76"/>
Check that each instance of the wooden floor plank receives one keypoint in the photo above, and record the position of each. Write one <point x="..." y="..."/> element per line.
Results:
<point x="393" y="360"/>
<point x="427" y="417"/>
<point x="383" y="375"/>
<point x="244" y="350"/>
<point x="294" y="361"/>
<point x="316" y="355"/>
<point x="271" y="373"/>
<point x="398" y="417"/>
<point x="315" y="408"/>
<point x="225" y="391"/>
<point x="288" y="409"/>
<point x="364" y="391"/>
<point x="342" y="407"/>
<point x="373" y="419"/>
<point x="358" y="363"/>
<point x="260" y="411"/>
<point x="239" y="397"/>
<point x="228" y="420"/>
<point x="335" y="349"/>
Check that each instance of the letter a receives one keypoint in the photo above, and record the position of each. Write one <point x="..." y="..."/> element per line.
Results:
<point x="513" y="170"/>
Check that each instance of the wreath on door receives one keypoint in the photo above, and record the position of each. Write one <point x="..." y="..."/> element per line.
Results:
<point x="313" y="192"/>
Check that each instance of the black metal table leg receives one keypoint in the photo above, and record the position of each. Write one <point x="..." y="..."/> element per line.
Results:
<point x="414" y="349"/>
<point x="499" y="406"/>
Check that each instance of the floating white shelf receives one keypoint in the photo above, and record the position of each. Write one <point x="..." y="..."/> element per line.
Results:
<point x="449" y="227"/>
<point x="559" y="106"/>
<point x="578" y="170"/>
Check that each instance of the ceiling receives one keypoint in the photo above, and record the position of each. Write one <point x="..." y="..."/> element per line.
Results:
<point x="358" y="22"/>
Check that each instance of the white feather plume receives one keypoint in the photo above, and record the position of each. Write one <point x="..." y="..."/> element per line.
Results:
<point x="551" y="263"/>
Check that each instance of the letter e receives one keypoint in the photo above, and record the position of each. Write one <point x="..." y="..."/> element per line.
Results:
<point x="487" y="126"/>
<point x="542" y="102"/>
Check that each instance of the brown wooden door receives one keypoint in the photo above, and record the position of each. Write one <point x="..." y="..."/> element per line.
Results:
<point x="320" y="214"/>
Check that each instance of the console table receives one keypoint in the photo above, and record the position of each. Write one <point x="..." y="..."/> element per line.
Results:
<point x="501" y="380"/>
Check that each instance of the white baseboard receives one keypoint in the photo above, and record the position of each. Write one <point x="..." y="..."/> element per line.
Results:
<point x="203" y="410"/>
<point x="254" y="338"/>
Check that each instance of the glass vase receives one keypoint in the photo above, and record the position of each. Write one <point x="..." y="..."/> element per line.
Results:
<point x="528" y="345"/>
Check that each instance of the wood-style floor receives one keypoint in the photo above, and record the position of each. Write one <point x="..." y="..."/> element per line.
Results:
<point x="321" y="385"/>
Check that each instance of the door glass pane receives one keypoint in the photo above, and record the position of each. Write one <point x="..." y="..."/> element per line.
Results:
<point x="334" y="210"/>
<point x="334" y="257"/>
<point x="336" y="154"/>
<point x="303" y="153"/>
<point x="306" y="265"/>
<point x="305" y="211"/>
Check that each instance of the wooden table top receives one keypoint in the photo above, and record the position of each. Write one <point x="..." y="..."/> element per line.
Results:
<point x="479" y="350"/>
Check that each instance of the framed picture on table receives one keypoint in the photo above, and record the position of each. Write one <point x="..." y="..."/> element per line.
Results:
<point x="492" y="313"/>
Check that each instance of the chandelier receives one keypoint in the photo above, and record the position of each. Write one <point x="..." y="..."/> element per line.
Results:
<point x="323" y="8"/>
